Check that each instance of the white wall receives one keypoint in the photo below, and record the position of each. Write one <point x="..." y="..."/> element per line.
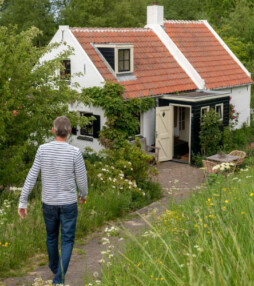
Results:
<point x="91" y="78"/>
<point x="240" y="97"/>
<point x="148" y="126"/>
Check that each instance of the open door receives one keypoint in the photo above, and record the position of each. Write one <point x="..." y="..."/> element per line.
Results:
<point x="164" y="132"/>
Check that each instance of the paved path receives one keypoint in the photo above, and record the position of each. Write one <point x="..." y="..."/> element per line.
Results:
<point x="177" y="180"/>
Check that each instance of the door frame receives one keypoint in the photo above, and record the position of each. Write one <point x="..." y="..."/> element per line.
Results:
<point x="190" y="124"/>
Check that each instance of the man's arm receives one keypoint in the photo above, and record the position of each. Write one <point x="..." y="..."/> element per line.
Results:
<point x="30" y="181"/>
<point x="81" y="178"/>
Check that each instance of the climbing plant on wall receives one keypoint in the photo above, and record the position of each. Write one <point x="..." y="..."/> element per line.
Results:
<point x="122" y="115"/>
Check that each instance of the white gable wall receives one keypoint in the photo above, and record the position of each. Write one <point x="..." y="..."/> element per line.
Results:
<point x="240" y="98"/>
<point x="91" y="78"/>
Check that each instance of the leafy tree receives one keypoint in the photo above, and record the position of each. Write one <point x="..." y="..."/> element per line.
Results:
<point x="32" y="96"/>
<point x="104" y="13"/>
<point x="28" y="13"/>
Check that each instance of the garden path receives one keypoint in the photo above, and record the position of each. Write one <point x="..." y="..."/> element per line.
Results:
<point x="178" y="181"/>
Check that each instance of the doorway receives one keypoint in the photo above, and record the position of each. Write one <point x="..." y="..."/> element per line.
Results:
<point x="173" y="130"/>
<point x="181" y="133"/>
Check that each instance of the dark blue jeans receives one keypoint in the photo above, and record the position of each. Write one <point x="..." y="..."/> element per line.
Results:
<point x="64" y="216"/>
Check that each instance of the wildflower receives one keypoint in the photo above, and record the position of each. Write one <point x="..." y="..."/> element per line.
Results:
<point x="252" y="194"/>
<point x="138" y="264"/>
<point x="226" y="201"/>
<point x="243" y="213"/>
<point x="205" y="225"/>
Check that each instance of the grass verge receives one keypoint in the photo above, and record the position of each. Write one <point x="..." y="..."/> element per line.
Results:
<point x="20" y="241"/>
<point x="205" y="240"/>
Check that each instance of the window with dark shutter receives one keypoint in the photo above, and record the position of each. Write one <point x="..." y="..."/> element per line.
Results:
<point x="90" y="130"/>
<point x="87" y="130"/>
<point x="65" y="72"/>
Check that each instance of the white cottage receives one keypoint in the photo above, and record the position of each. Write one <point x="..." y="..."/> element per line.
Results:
<point x="185" y="65"/>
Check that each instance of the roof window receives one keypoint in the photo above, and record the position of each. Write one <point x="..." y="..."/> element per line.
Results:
<point x="118" y="56"/>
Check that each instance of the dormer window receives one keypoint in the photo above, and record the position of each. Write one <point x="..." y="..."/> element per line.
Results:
<point x="118" y="56"/>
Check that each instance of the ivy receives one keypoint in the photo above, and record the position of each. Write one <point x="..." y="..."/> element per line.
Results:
<point x="122" y="115"/>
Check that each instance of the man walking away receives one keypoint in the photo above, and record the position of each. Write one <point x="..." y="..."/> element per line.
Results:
<point x="59" y="163"/>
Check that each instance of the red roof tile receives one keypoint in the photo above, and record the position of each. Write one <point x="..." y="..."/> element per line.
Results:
<point x="214" y="64"/>
<point x="156" y="70"/>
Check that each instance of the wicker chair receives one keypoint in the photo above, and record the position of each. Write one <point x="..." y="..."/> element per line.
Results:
<point x="240" y="154"/>
<point x="148" y="148"/>
<point x="208" y="166"/>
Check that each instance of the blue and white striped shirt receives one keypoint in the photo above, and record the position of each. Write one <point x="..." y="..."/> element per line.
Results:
<point x="59" y="163"/>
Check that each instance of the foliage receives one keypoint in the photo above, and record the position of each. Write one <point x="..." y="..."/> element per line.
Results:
<point x="30" y="13"/>
<point x="233" y="116"/>
<point x="122" y="115"/>
<point x="210" y="133"/>
<point x="205" y="240"/>
<point x="32" y="96"/>
<point x="104" y="13"/>
<point x="113" y="192"/>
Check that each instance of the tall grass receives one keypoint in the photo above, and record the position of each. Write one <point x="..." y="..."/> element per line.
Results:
<point x="21" y="240"/>
<point x="206" y="240"/>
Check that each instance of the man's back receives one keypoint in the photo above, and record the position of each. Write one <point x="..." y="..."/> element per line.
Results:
<point x="59" y="163"/>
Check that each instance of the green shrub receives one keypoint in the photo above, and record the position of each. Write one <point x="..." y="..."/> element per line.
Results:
<point x="210" y="133"/>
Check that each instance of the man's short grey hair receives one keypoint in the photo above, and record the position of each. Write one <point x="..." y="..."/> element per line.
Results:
<point x="62" y="125"/>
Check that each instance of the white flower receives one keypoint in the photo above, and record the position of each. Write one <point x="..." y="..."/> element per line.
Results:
<point x="95" y="274"/>
<point x="101" y="261"/>
<point x="99" y="175"/>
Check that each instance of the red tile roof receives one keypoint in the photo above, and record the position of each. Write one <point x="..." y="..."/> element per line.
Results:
<point x="156" y="70"/>
<point x="214" y="64"/>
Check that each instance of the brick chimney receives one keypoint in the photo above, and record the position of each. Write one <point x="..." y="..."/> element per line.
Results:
<point x="155" y="14"/>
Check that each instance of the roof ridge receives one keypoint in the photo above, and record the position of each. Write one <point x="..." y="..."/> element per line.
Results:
<point x="184" y="21"/>
<point x="109" y="29"/>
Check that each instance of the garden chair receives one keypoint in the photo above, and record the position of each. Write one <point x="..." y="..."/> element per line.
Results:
<point x="148" y="148"/>
<point x="240" y="154"/>
<point x="208" y="167"/>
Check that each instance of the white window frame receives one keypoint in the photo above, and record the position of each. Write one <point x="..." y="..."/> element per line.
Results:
<point x="202" y="108"/>
<point x="120" y="47"/>
<point x="222" y="109"/>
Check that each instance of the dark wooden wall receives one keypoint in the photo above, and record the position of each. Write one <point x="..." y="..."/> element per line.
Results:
<point x="196" y="111"/>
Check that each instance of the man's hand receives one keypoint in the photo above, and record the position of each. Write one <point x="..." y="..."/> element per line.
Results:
<point x="82" y="200"/>
<point x="22" y="212"/>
